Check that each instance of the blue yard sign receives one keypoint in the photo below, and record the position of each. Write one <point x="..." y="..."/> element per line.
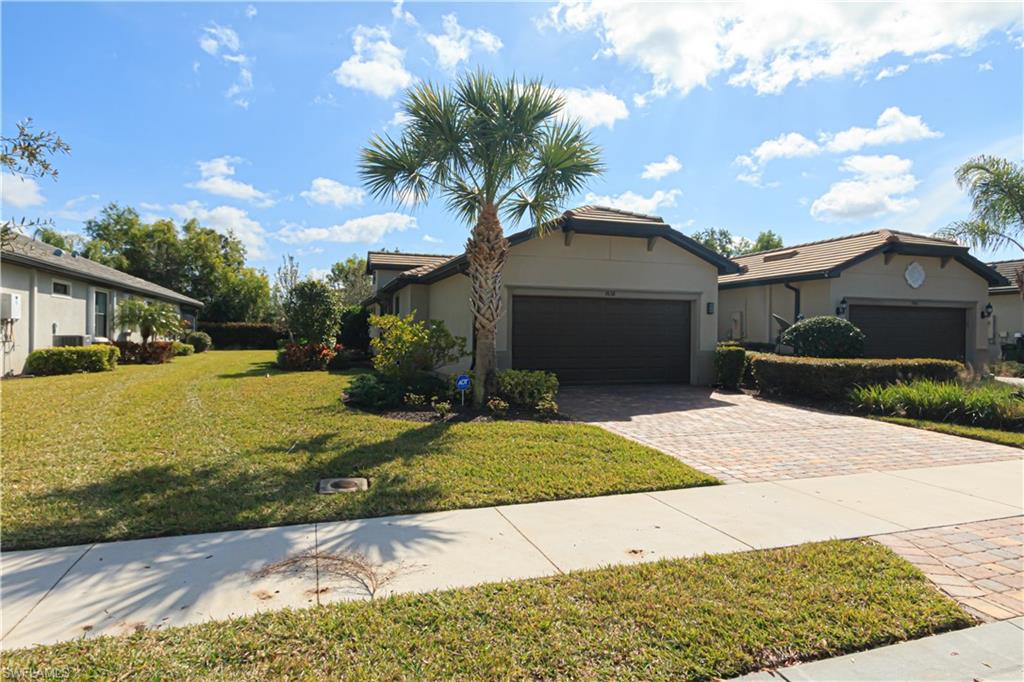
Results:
<point x="462" y="383"/>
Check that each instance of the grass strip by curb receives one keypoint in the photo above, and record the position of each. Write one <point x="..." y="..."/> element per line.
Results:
<point x="976" y="432"/>
<point x="690" y="619"/>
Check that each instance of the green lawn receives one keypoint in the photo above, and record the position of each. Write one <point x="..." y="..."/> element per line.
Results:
<point x="221" y="440"/>
<point x="692" y="619"/>
<point x="976" y="432"/>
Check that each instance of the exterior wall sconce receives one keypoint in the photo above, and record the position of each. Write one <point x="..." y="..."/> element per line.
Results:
<point x="986" y="312"/>
<point x="711" y="307"/>
<point x="842" y="307"/>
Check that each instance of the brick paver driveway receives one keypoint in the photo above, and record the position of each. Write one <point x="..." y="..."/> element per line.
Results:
<point x="739" y="438"/>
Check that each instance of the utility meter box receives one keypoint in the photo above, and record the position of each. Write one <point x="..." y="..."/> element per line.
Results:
<point x="10" y="306"/>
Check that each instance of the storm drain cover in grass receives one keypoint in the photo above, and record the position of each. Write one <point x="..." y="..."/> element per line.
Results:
<point x="328" y="486"/>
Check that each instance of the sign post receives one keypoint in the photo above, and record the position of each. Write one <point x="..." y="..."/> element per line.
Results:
<point x="462" y="383"/>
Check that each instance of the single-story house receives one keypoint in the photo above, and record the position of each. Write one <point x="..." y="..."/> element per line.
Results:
<point x="1007" y="306"/>
<point x="605" y="296"/>
<point x="53" y="297"/>
<point x="911" y="295"/>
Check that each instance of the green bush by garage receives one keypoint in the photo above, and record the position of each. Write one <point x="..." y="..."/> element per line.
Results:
<point x="832" y="379"/>
<point x="71" y="359"/>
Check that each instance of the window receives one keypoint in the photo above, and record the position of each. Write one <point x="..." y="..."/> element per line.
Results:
<point x="61" y="288"/>
<point x="100" y="323"/>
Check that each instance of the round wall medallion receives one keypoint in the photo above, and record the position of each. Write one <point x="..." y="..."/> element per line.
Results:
<point x="914" y="275"/>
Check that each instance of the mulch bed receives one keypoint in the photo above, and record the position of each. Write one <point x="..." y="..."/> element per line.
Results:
<point x="461" y="414"/>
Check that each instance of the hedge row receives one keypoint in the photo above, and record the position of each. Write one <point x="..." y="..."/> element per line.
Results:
<point x="71" y="359"/>
<point x="833" y="379"/>
<point x="255" y="335"/>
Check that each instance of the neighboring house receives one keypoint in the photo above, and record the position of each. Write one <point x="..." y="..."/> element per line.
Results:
<point x="1007" y="306"/>
<point x="605" y="296"/>
<point x="66" y="299"/>
<point x="911" y="295"/>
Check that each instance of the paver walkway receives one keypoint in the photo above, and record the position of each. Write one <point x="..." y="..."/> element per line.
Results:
<point x="987" y="652"/>
<point x="70" y="592"/>
<point x="743" y="439"/>
<point x="980" y="565"/>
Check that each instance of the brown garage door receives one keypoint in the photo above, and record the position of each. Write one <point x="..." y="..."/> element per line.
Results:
<point x="911" y="332"/>
<point x="602" y="340"/>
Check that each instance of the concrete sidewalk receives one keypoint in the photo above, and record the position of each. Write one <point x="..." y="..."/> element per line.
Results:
<point x="988" y="652"/>
<point x="57" y="594"/>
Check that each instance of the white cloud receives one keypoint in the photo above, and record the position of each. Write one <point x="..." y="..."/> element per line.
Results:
<point x="367" y="230"/>
<point x="891" y="127"/>
<point x="399" y="120"/>
<point x="659" y="169"/>
<point x="376" y="65"/>
<point x="593" y="107"/>
<point x="251" y="11"/>
<point x="73" y="208"/>
<point x="430" y="239"/>
<point x="769" y="46"/>
<point x="399" y="13"/>
<point x="20" y="192"/>
<point x="318" y="273"/>
<point x="216" y="178"/>
<point x="456" y="44"/>
<point x="890" y="71"/>
<point x="223" y="42"/>
<point x="878" y="187"/>
<point x="326" y="191"/>
<point x="215" y="38"/>
<point x="985" y="66"/>
<point x="227" y="220"/>
<point x="631" y="201"/>
<point x="935" y="57"/>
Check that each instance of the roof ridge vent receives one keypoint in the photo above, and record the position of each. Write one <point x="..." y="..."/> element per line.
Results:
<point x="779" y="255"/>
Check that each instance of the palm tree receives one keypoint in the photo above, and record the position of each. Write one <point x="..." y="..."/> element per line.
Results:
<point x="996" y="188"/>
<point x="493" y="150"/>
<point x="149" y="318"/>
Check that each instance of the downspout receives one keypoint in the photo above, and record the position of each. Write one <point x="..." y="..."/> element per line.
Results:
<point x="796" y="301"/>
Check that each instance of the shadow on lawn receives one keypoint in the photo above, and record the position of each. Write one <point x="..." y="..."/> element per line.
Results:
<point x="251" y="490"/>
<point x="256" y="369"/>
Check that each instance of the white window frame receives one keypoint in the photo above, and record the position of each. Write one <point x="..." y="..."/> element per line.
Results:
<point x="109" y="315"/>
<point x="55" y="282"/>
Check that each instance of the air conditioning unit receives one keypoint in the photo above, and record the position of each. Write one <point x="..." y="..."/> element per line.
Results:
<point x="70" y="340"/>
<point x="10" y="307"/>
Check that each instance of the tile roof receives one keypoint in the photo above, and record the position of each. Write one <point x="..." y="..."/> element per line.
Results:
<point x="613" y="215"/>
<point x="1008" y="269"/>
<point x="402" y="261"/>
<point x="825" y="256"/>
<point x="31" y="252"/>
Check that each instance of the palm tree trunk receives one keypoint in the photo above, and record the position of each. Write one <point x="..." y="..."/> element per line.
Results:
<point x="487" y="251"/>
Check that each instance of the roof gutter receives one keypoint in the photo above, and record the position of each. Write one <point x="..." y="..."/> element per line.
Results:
<point x="796" y="300"/>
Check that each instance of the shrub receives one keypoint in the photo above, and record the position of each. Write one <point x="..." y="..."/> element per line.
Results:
<point x="1013" y="352"/>
<point x="341" y="360"/>
<point x="987" y="404"/>
<point x="497" y="406"/>
<point x="200" y="341"/>
<point x="179" y="348"/>
<point x="375" y="392"/>
<point x="525" y="387"/>
<point x="71" y="359"/>
<point x="833" y="378"/>
<point x="1009" y="368"/>
<point x="415" y="400"/>
<point x="729" y="363"/>
<point x="314" y="313"/>
<point x="151" y="319"/>
<point x="825" y="337"/>
<point x="254" y="335"/>
<point x="153" y="353"/>
<point x="547" y="406"/>
<point x="304" y="357"/>
<point x="406" y="348"/>
<point x="355" y="328"/>
<point x="442" y="407"/>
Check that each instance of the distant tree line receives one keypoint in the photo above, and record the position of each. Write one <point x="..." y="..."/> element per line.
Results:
<point x="199" y="262"/>
<point x="724" y="242"/>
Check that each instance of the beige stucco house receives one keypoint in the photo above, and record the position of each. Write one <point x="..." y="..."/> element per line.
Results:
<point x="62" y="298"/>
<point x="1007" y="306"/>
<point x="911" y="295"/>
<point x="604" y="296"/>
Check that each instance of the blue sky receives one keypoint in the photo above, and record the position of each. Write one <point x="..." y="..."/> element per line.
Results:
<point x="814" y="122"/>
